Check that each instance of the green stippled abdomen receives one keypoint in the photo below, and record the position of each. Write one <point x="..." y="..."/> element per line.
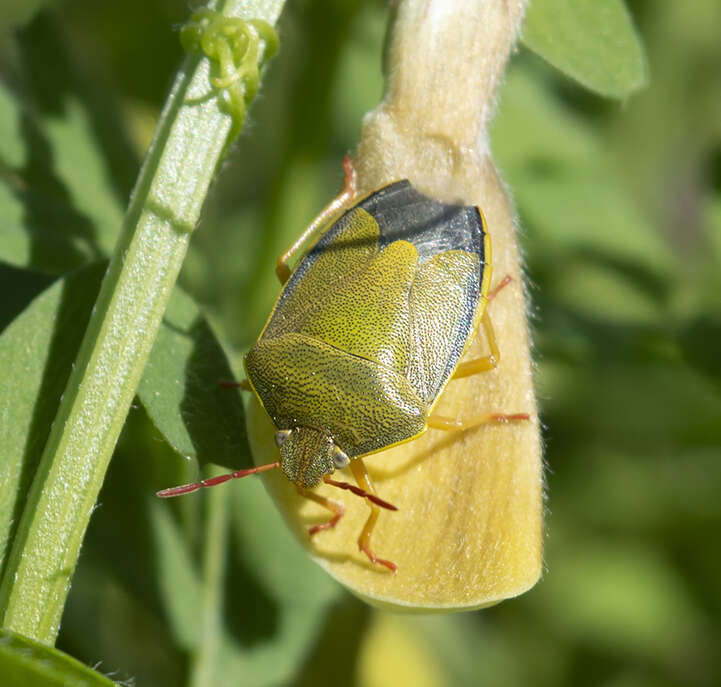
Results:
<point x="305" y="382"/>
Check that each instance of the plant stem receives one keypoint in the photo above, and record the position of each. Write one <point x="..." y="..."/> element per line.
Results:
<point x="214" y="540"/>
<point x="190" y="138"/>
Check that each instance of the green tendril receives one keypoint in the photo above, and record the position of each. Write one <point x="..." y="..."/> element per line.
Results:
<point x="233" y="47"/>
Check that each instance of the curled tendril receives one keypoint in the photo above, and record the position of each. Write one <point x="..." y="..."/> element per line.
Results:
<point x="233" y="47"/>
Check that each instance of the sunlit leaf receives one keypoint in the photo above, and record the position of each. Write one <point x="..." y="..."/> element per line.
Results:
<point x="36" y="353"/>
<point x="181" y="392"/>
<point x="25" y="663"/>
<point x="592" y="41"/>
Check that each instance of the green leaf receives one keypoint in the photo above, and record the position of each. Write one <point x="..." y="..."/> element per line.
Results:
<point x="592" y="41"/>
<point x="287" y="611"/>
<point x="36" y="354"/>
<point x="619" y="598"/>
<point x="58" y="208"/>
<point x="59" y="196"/>
<point x="181" y="389"/>
<point x="18" y="287"/>
<point x="26" y="663"/>
<point x="181" y="392"/>
<point x="179" y="581"/>
<point x="12" y="150"/>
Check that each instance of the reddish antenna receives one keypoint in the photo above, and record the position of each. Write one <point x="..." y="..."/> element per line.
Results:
<point x="212" y="481"/>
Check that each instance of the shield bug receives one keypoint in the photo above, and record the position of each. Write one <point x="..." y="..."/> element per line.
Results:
<point x="369" y="328"/>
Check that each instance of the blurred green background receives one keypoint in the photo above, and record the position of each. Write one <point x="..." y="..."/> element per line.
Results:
<point x="620" y="222"/>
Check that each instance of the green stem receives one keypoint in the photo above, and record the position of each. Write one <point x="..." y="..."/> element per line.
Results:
<point x="216" y="524"/>
<point x="190" y="138"/>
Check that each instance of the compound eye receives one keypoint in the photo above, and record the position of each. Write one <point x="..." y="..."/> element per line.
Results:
<point x="281" y="435"/>
<point x="340" y="459"/>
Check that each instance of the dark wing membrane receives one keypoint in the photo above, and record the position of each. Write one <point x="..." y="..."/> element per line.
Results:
<point x="430" y="225"/>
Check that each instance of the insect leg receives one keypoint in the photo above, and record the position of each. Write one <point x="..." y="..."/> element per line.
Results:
<point x="335" y="508"/>
<point x="242" y="384"/>
<point x="454" y="424"/>
<point x="335" y="208"/>
<point x="364" y="481"/>
<point x="487" y="362"/>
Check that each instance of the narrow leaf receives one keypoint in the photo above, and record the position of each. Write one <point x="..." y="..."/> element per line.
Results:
<point x="25" y="663"/>
<point x="36" y="352"/>
<point x="592" y="41"/>
<point x="182" y="392"/>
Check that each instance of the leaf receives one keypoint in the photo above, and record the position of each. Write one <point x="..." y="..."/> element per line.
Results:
<point x="592" y="41"/>
<point x="18" y="287"/>
<point x="570" y="197"/>
<point x="621" y="598"/>
<point x="36" y="353"/>
<point x="26" y="663"/>
<point x="179" y="583"/>
<point x="12" y="151"/>
<point x="181" y="389"/>
<point x="57" y="208"/>
<point x="270" y="619"/>
<point x="181" y="392"/>
<point x="64" y="162"/>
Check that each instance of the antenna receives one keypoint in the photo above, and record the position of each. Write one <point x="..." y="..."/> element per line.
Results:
<point x="212" y="481"/>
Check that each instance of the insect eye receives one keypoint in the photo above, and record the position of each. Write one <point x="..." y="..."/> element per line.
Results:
<point x="281" y="435"/>
<point x="340" y="459"/>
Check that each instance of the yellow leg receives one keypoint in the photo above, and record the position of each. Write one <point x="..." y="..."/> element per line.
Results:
<point x="454" y="424"/>
<point x="487" y="362"/>
<point x="335" y="208"/>
<point x="364" y="481"/>
<point x="332" y="506"/>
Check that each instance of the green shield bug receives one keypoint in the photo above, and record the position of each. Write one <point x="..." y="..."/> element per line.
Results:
<point x="369" y="328"/>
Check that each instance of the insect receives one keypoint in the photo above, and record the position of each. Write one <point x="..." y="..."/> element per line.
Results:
<point x="369" y="328"/>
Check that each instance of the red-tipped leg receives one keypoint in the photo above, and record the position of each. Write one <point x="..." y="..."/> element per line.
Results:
<point x="327" y="215"/>
<point x="454" y="424"/>
<point x="374" y="559"/>
<point x="486" y="362"/>
<point x="501" y="284"/>
<point x="509" y="417"/>
<point x="335" y="508"/>
<point x="242" y="384"/>
<point x="364" y="481"/>
<point x="350" y="176"/>
<point x="213" y="481"/>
